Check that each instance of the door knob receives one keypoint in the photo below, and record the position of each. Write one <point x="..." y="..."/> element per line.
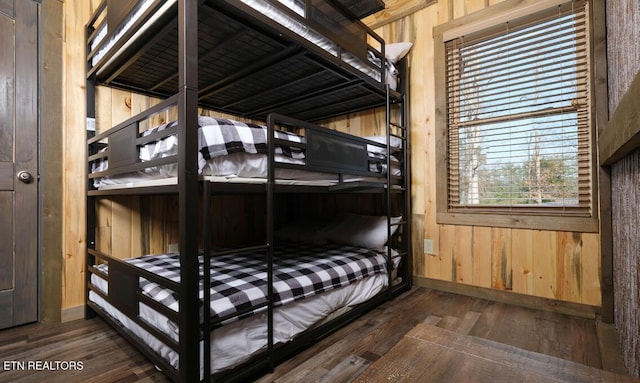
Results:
<point x="25" y="177"/>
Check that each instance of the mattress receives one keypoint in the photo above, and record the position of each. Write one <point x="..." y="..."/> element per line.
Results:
<point x="234" y="151"/>
<point x="303" y="299"/>
<point x="261" y="6"/>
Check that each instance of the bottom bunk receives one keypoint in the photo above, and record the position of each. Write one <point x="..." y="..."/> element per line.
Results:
<point x="312" y="284"/>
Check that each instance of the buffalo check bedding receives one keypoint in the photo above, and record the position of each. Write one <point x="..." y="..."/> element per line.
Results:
<point x="217" y="137"/>
<point x="228" y="148"/>
<point x="239" y="281"/>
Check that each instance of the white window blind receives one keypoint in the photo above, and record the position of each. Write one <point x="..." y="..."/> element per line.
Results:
<point x="518" y="101"/>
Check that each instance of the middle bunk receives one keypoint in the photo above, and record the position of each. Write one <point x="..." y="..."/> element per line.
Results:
<point x="251" y="59"/>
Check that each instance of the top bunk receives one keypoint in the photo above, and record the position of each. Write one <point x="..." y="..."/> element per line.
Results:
<point x="309" y="59"/>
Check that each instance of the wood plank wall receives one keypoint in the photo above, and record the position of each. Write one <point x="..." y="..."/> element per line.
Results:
<point x="559" y="265"/>
<point x="75" y="15"/>
<point x="623" y="51"/>
<point x="548" y="264"/>
<point x="623" y="54"/>
<point x="626" y="256"/>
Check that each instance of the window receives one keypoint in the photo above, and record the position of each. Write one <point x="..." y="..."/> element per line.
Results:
<point x="516" y="128"/>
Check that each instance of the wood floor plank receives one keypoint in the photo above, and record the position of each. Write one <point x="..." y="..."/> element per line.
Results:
<point x="460" y="357"/>
<point x="513" y="357"/>
<point x="337" y="358"/>
<point x="346" y="371"/>
<point x="468" y="322"/>
<point x="399" y="364"/>
<point x="432" y="320"/>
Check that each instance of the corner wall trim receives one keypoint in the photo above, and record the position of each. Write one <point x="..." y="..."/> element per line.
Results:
<point x="622" y="134"/>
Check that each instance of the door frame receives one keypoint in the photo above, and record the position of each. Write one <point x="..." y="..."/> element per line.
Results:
<point x="51" y="229"/>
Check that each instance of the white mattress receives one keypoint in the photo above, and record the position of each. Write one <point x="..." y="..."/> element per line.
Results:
<point x="133" y="182"/>
<point x="167" y="175"/>
<point x="260" y="5"/>
<point x="238" y="341"/>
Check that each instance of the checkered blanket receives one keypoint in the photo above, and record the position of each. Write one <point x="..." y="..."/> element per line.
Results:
<point x="239" y="281"/>
<point x="219" y="137"/>
<point x="216" y="137"/>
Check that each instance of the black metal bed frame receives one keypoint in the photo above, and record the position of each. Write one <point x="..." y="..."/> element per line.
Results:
<point x="326" y="91"/>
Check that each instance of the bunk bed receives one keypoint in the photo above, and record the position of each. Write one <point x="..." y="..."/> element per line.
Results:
<point x="281" y="66"/>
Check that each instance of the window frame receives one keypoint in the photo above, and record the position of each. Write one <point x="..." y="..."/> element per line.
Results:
<point x="530" y="218"/>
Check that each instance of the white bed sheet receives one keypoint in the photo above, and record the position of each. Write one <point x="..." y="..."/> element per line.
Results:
<point x="238" y="341"/>
<point x="260" y="5"/>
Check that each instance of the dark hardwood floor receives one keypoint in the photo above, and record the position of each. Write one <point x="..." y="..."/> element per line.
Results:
<point x="341" y="357"/>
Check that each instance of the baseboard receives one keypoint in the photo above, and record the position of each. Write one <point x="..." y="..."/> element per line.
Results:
<point x="72" y="313"/>
<point x="530" y="301"/>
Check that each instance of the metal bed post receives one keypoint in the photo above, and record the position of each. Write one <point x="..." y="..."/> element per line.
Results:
<point x="90" y="259"/>
<point x="387" y="191"/>
<point x="90" y="86"/>
<point x="407" y="243"/>
<point x="269" y="233"/>
<point x="189" y="313"/>
<point x="206" y="282"/>
<point x="402" y="131"/>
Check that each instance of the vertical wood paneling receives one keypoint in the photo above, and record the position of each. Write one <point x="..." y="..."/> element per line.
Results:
<point x="625" y="203"/>
<point x="501" y="278"/>
<point x="464" y="257"/>
<point x="623" y="50"/>
<point x="136" y="235"/>
<point x="522" y="261"/>
<point x="120" y="106"/>
<point x="445" y="12"/>
<point x="482" y="256"/>
<point x="474" y="5"/>
<point x="446" y="255"/>
<point x="76" y="15"/>
<point x="161" y="218"/>
<point x="544" y="261"/>
<point x="103" y="109"/>
<point x="113" y="215"/>
<point x="103" y="225"/>
<point x="591" y="269"/>
<point x="432" y="265"/>
<point x="121" y="227"/>
<point x="420" y="259"/>
<point x="459" y="8"/>
<point x="569" y="274"/>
